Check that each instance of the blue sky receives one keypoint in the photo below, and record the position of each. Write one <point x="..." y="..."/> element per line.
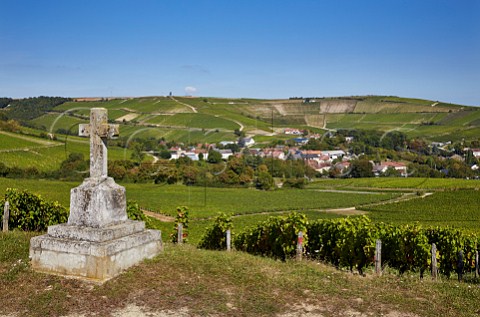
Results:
<point x="259" y="49"/>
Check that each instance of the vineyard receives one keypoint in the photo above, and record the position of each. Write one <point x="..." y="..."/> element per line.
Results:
<point x="407" y="229"/>
<point x="397" y="183"/>
<point x="453" y="208"/>
<point x="350" y="243"/>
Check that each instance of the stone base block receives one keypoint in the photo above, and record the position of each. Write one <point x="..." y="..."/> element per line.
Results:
<point x="97" y="202"/>
<point x="85" y="253"/>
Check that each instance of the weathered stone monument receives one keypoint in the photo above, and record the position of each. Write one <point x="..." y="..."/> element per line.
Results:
<point x="98" y="241"/>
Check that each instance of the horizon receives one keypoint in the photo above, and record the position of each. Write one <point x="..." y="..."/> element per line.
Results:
<point x="95" y="98"/>
<point x="268" y="50"/>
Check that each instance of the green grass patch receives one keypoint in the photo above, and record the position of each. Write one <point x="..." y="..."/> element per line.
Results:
<point x="53" y="121"/>
<point x="204" y="203"/>
<point x="166" y="198"/>
<point x="11" y="141"/>
<point x="49" y="158"/>
<point x="195" y="120"/>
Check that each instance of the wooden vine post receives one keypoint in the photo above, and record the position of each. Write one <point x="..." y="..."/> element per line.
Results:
<point x="300" y="245"/>
<point x="229" y="239"/>
<point x="434" y="261"/>
<point x="476" y="264"/>
<point x="6" y="216"/>
<point x="180" y="233"/>
<point x="460" y="266"/>
<point x="378" y="257"/>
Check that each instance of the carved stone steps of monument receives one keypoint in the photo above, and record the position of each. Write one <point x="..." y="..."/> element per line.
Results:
<point x="96" y="234"/>
<point x="93" y="260"/>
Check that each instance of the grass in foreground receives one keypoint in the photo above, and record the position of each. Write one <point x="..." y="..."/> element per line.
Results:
<point x="234" y="284"/>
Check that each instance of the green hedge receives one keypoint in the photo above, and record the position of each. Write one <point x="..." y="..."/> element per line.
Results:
<point x="30" y="212"/>
<point x="215" y="235"/>
<point x="350" y="243"/>
<point x="275" y="237"/>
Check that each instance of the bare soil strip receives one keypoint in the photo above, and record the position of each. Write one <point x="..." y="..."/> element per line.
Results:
<point x="163" y="218"/>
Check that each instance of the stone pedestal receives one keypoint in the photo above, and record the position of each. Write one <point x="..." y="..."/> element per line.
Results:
<point x="95" y="254"/>
<point x="97" y="202"/>
<point x="98" y="242"/>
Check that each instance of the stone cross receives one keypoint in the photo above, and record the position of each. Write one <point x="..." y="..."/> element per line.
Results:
<point x="99" y="131"/>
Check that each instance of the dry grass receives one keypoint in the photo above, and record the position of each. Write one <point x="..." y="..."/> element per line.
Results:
<point x="185" y="281"/>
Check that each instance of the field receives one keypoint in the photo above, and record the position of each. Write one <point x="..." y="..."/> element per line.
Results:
<point x="27" y="151"/>
<point x="52" y="122"/>
<point x="203" y="121"/>
<point x="166" y="198"/>
<point x="238" y="284"/>
<point x="12" y="141"/>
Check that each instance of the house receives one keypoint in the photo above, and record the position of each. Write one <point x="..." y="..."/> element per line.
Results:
<point x="440" y="144"/>
<point x="247" y="142"/>
<point x="381" y="168"/>
<point x="319" y="167"/>
<point x="225" y="153"/>
<point x="342" y="166"/>
<point x="190" y="155"/>
<point x="294" y="154"/>
<point x="225" y="143"/>
<point x="314" y="136"/>
<point x="254" y="151"/>
<point x="301" y="141"/>
<point x="334" y="154"/>
<point x="291" y="131"/>
<point x="273" y="153"/>
<point x="277" y="154"/>
<point x="175" y="152"/>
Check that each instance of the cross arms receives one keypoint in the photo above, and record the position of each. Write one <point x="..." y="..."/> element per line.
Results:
<point x="108" y="131"/>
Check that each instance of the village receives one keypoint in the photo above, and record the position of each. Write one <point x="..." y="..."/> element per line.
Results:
<point x="324" y="162"/>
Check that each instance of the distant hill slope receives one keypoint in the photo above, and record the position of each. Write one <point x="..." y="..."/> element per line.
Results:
<point x="211" y="120"/>
<point x="206" y="119"/>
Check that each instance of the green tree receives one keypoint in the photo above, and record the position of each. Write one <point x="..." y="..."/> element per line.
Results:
<point x="265" y="181"/>
<point x="190" y="175"/>
<point x="214" y="156"/>
<point x="165" y="154"/>
<point x="137" y="151"/>
<point x="361" y="168"/>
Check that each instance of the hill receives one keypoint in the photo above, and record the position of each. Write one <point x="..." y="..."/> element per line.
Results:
<point x="181" y="118"/>
<point x="211" y="120"/>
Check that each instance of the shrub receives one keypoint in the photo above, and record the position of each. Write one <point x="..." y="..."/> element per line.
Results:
<point x="182" y="217"/>
<point x="348" y="242"/>
<point x="276" y="237"/>
<point x="30" y="212"/>
<point x="134" y="212"/>
<point x="215" y="235"/>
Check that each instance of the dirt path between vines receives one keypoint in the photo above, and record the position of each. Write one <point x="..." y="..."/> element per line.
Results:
<point x="163" y="218"/>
